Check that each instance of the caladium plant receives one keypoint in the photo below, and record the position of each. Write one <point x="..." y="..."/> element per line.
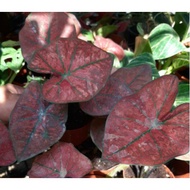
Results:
<point x="139" y="124"/>
<point x="142" y="129"/>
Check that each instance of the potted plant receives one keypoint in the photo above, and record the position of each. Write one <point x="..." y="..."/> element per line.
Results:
<point x="143" y="122"/>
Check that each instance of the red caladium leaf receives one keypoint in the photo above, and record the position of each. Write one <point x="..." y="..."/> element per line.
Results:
<point x="109" y="46"/>
<point x="7" y="155"/>
<point x="62" y="160"/>
<point x="41" y="28"/>
<point x="123" y="82"/>
<point x="35" y="124"/>
<point x="142" y="129"/>
<point x="79" y="70"/>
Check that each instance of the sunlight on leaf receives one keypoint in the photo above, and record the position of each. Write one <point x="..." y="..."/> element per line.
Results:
<point x="43" y="27"/>
<point x="142" y="129"/>
<point x="165" y="42"/>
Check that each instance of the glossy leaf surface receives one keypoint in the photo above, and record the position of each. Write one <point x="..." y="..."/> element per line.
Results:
<point x="123" y="82"/>
<point x="79" y="70"/>
<point x="7" y="155"/>
<point x="142" y="129"/>
<point x="35" y="124"/>
<point x="43" y="27"/>
<point x="62" y="160"/>
<point x="165" y="42"/>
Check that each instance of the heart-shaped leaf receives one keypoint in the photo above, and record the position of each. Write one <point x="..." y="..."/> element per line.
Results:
<point x="7" y="155"/>
<point x="43" y="27"/>
<point x="62" y="160"/>
<point x="123" y="82"/>
<point x="79" y="70"/>
<point x="35" y="124"/>
<point x="142" y="130"/>
<point x="165" y="42"/>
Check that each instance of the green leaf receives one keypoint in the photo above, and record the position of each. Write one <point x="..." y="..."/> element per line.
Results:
<point x="145" y="58"/>
<point x="10" y="43"/>
<point x="116" y="62"/>
<point x="140" y="29"/>
<point x="106" y="30"/>
<point x="183" y="94"/>
<point x="17" y="61"/>
<point x="6" y="53"/>
<point x="88" y="34"/>
<point x="129" y="55"/>
<point x="4" y="77"/>
<point x="164" y="42"/>
<point x="181" y="24"/>
<point x="181" y="60"/>
<point x="162" y="17"/>
<point x="11" y="59"/>
<point x="178" y="62"/>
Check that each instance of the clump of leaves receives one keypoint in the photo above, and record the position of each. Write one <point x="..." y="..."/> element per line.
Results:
<point x="140" y="126"/>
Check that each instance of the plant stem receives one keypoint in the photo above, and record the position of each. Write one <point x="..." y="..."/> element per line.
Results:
<point x="15" y="73"/>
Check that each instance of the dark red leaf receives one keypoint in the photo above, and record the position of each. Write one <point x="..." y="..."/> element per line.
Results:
<point x="62" y="160"/>
<point x="123" y="82"/>
<point x="35" y="124"/>
<point x="79" y="70"/>
<point x="109" y="46"/>
<point x="142" y="130"/>
<point x="7" y="155"/>
<point x="42" y="28"/>
<point x="97" y="128"/>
